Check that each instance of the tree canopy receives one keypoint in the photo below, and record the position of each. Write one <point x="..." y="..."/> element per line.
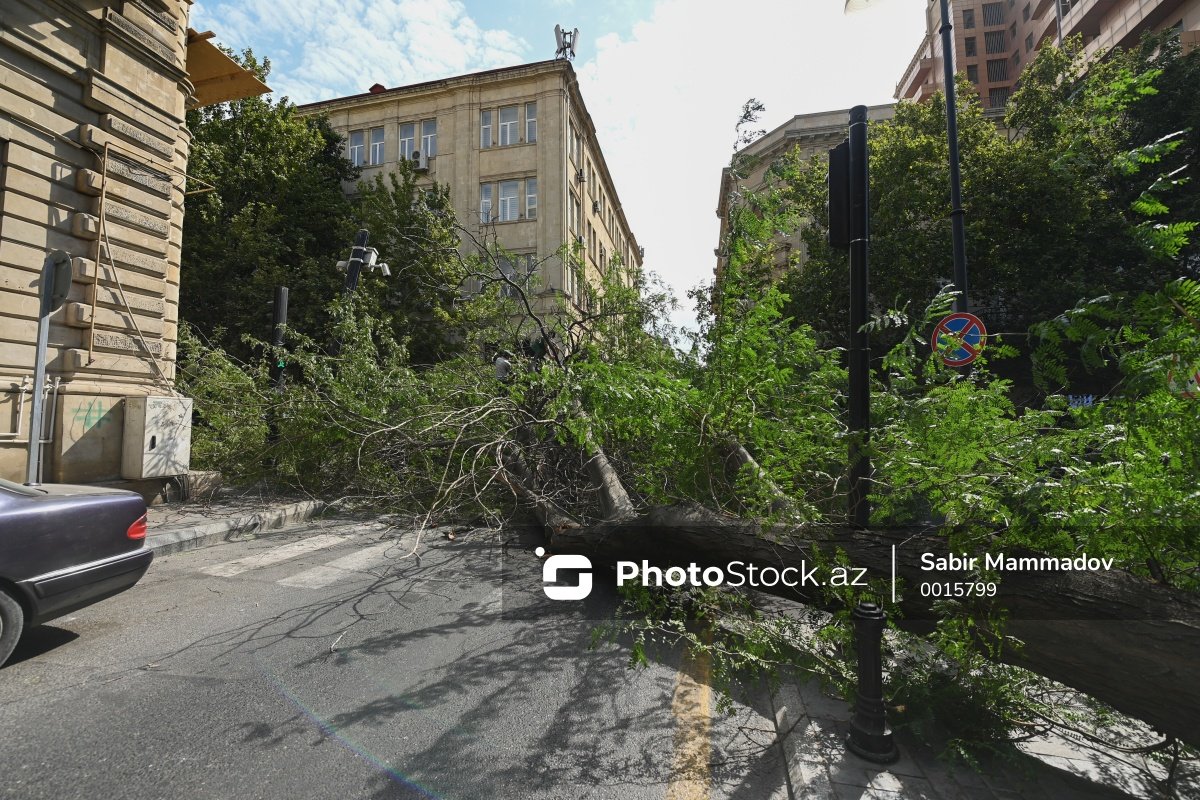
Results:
<point x="1065" y="200"/>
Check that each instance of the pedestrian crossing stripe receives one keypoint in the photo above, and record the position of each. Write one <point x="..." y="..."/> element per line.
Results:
<point x="274" y="555"/>
<point x="325" y="574"/>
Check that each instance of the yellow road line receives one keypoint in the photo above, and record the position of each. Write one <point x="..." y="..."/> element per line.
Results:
<point x="691" y="710"/>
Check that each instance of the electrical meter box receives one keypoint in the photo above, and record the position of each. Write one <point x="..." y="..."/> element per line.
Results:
<point x="158" y="437"/>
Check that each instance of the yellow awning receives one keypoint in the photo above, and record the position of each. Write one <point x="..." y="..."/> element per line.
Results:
<point x="216" y="76"/>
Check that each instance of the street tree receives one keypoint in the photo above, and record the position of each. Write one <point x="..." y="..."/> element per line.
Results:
<point x="277" y="216"/>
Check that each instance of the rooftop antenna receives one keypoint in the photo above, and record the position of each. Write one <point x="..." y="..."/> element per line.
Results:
<point x="566" y="42"/>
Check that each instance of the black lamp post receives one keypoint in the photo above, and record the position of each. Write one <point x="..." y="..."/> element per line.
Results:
<point x="957" y="228"/>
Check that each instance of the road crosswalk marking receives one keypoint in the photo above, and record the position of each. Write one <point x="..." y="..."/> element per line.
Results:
<point x="274" y="555"/>
<point x="325" y="574"/>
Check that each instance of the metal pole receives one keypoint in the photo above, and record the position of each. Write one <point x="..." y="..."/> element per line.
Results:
<point x="56" y="282"/>
<point x="870" y="735"/>
<point x="860" y="345"/>
<point x="357" y="255"/>
<point x="279" y="314"/>
<point x="958" y="231"/>
<point x="353" y="267"/>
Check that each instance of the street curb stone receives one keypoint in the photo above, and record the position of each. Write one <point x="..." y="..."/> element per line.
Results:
<point x="188" y="535"/>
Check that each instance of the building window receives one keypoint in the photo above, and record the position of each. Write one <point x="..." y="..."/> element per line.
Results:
<point x="429" y="138"/>
<point x="1028" y="43"/>
<point x="509" y="209"/>
<point x="485" y="129"/>
<point x="376" y="145"/>
<point x="995" y="42"/>
<point x="1025" y="13"/>
<point x="531" y="122"/>
<point x="575" y="143"/>
<point x="603" y="258"/>
<point x="408" y="132"/>
<point x="517" y="269"/>
<point x="485" y="202"/>
<point x="357" y="151"/>
<point x="1016" y="59"/>
<point x="531" y="198"/>
<point x="968" y="17"/>
<point x="993" y="14"/>
<point x="998" y="97"/>
<point x="969" y="44"/>
<point x="1012" y="30"/>
<point x="508" y="125"/>
<point x="576" y="215"/>
<point x="973" y="73"/>
<point x="997" y="69"/>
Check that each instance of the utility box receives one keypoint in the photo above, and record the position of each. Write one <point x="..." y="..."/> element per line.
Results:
<point x="158" y="437"/>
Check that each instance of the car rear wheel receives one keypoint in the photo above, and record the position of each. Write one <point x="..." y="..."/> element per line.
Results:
<point x="12" y="622"/>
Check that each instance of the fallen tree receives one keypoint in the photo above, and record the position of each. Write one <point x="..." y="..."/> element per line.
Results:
<point x="1128" y="642"/>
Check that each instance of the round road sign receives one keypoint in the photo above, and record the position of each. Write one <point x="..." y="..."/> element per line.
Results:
<point x="959" y="338"/>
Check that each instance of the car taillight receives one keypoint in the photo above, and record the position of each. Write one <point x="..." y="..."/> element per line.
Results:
<point x="138" y="529"/>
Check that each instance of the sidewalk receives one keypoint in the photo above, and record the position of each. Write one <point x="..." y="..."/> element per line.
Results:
<point x="181" y="526"/>
<point x="811" y="729"/>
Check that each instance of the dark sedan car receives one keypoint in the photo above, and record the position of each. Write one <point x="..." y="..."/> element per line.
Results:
<point x="64" y="547"/>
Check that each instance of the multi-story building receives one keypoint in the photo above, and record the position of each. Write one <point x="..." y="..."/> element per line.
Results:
<point x="813" y="134"/>
<point x="93" y="162"/>
<point x="518" y="151"/>
<point x="994" y="40"/>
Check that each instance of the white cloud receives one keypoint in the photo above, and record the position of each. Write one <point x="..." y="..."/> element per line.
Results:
<point x="329" y="48"/>
<point x="666" y="99"/>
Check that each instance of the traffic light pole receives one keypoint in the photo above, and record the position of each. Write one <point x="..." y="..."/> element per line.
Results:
<point x="957" y="226"/>
<point x="357" y="256"/>
<point x="279" y="321"/>
<point x="860" y="344"/>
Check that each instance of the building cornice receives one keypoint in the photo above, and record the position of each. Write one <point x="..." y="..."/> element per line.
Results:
<point x="434" y="86"/>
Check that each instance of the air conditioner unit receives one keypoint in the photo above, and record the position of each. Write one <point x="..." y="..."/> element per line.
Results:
<point x="579" y="240"/>
<point x="420" y="161"/>
<point x="579" y="176"/>
<point x="595" y="206"/>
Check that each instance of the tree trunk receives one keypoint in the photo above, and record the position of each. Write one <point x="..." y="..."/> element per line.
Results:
<point x="1133" y="644"/>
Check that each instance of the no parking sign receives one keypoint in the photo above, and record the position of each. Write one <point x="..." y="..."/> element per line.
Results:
<point x="959" y="338"/>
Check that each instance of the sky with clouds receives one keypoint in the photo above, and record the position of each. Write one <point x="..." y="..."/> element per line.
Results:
<point x="664" y="80"/>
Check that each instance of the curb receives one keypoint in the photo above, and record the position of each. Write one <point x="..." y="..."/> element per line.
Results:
<point x="187" y="537"/>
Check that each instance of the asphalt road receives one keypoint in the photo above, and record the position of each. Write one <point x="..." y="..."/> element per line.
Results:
<point x="329" y="662"/>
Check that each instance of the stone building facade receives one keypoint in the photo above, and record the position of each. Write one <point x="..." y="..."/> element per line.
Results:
<point x="994" y="40"/>
<point x="518" y="150"/>
<point x="93" y="159"/>
<point x="813" y="134"/>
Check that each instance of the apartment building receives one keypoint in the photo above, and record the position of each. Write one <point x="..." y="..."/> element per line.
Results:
<point x="813" y="134"/>
<point x="993" y="41"/>
<point x="518" y="150"/>
<point x="93" y="161"/>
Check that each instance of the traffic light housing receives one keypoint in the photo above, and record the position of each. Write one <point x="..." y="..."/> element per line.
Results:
<point x="838" y="205"/>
